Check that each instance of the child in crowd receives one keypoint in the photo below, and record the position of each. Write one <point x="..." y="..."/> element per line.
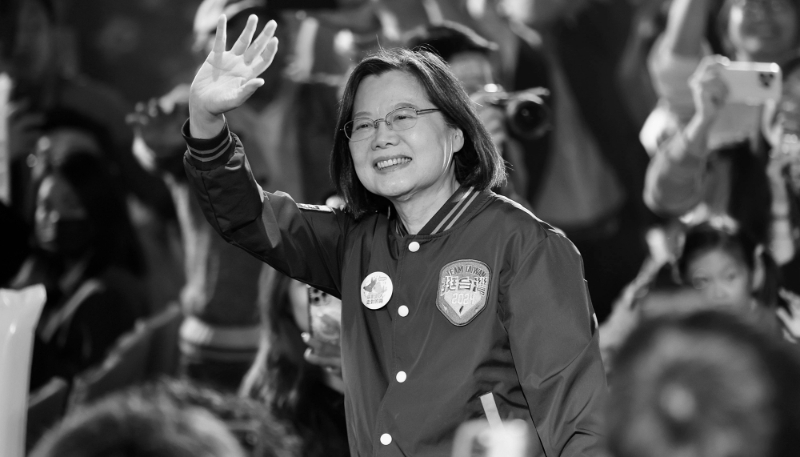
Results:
<point x="719" y="266"/>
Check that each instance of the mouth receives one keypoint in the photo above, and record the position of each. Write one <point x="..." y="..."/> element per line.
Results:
<point x="394" y="162"/>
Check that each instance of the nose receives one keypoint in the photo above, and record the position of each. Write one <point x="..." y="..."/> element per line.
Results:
<point x="384" y="135"/>
<point x="718" y="292"/>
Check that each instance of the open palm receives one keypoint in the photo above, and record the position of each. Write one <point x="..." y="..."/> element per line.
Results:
<point x="228" y="78"/>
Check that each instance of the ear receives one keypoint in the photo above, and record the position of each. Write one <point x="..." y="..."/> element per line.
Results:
<point x="759" y="270"/>
<point x="458" y="139"/>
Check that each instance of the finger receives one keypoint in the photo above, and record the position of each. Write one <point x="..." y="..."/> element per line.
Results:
<point x="220" y="39"/>
<point x="250" y="87"/>
<point x="247" y="35"/>
<point x="314" y="358"/>
<point x="266" y="57"/>
<point x="260" y="43"/>
<point x="784" y="316"/>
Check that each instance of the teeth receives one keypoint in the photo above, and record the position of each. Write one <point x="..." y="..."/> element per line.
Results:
<point x="388" y="163"/>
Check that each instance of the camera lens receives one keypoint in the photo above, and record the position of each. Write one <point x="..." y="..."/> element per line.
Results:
<point x="527" y="116"/>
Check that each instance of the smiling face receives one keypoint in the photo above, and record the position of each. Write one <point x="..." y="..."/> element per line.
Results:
<point x="763" y="30"/>
<point x="722" y="279"/>
<point x="413" y="163"/>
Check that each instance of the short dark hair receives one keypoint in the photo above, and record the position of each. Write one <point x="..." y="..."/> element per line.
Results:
<point x="258" y="431"/>
<point x="477" y="164"/>
<point x="726" y="236"/>
<point x="707" y="382"/>
<point x="448" y="39"/>
<point x="133" y="425"/>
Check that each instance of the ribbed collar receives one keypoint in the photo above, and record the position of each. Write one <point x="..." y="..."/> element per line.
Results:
<point x="447" y="216"/>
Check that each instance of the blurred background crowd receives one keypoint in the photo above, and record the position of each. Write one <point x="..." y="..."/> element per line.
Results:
<point x="620" y="124"/>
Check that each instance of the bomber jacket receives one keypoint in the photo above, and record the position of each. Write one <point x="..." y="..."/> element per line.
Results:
<point x="486" y="307"/>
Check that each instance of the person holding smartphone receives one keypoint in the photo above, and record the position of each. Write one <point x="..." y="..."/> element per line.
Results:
<point x="456" y="303"/>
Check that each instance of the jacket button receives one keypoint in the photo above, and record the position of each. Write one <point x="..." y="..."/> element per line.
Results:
<point x="386" y="439"/>
<point x="401" y="376"/>
<point x="402" y="311"/>
<point x="413" y="246"/>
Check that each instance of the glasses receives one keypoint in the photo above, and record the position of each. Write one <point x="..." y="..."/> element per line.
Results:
<point x="362" y="128"/>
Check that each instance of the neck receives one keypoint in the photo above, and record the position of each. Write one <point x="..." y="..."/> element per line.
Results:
<point x="416" y="210"/>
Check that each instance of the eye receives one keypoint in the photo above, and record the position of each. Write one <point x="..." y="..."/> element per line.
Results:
<point x="361" y="124"/>
<point x="403" y="115"/>
<point x="699" y="282"/>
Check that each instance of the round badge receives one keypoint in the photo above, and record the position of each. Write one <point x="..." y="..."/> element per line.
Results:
<point x="376" y="290"/>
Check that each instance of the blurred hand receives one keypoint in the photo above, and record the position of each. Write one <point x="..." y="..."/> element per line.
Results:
<point x="228" y="78"/>
<point x="493" y="117"/>
<point x="24" y="130"/>
<point x="781" y="165"/>
<point x="791" y="318"/>
<point x="157" y="122"/>
<point x="709" y="89"/>
<point x="314" y="355"/>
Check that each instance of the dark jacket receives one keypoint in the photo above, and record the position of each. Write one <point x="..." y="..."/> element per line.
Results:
<point x="486" y="299"/>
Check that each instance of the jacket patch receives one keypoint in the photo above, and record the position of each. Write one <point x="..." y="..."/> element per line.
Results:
<point x="463" y="286"/>
<point x="320" y="208"/>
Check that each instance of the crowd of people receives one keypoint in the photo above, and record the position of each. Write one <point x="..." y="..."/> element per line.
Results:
<point x="563" y="213"/>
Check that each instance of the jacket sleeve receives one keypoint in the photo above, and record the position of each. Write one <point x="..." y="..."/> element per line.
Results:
<point x="304" y="242"/>
<point x="554" y="343"/>
<point x="675" y="179"/>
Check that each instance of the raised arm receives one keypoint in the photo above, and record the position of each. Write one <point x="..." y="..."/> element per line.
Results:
<point x="686" y="28"/>
<point x="676" y="175"/>
<point x="228" y="78"/>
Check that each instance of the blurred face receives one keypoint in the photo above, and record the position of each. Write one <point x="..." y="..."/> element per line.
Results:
<point x="538" y="13"/>
<point x="33" y="43"/>
<point x="763" y="30"/>
<point x="62" y="224"/>
<point x="722" y="279"/>
<point x="57" y="144"/>
<point x="402" y="164"/>
<point x="472" y="69"/>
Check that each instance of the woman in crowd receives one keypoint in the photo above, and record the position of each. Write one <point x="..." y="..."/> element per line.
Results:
<point x="87" y="256"/>
<point x="441" y="280"/>
<point x="302" y="394"/>
<point x="699" y="168"/>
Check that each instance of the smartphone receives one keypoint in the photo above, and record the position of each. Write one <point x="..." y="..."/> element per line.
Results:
<point x="476" y="438"/>
<point x="752" y="83"/>
<point x="325" y="320"/>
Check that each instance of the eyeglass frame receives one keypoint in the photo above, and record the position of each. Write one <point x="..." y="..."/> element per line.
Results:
<point x="385" y="120"/>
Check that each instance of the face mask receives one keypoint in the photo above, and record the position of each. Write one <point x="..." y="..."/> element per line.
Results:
<point x="68" y="237"/>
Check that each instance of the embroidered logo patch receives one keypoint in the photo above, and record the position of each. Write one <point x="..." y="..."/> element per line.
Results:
<point x="463" y="286"/>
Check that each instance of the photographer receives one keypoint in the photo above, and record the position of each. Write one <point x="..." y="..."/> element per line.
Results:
<point x="512" y="119"/>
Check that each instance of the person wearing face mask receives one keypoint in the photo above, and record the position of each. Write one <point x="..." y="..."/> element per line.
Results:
<point x="87" y="256"/>
<point x="457" y="303"/>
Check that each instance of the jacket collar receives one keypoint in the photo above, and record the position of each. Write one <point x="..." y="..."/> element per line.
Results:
<point x="462" y="203"/>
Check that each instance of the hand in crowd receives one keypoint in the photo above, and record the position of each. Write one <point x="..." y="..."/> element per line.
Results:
<point x="318" y="353"/>
<point x="782" y="173"/>
<point x="228" y="78"/>
<point x="492" y="117"/>
<point x="158" y="121"/>
<point x="791" y="318"/>
<point x="709" y="90"/>
<point x="25" y="129"/>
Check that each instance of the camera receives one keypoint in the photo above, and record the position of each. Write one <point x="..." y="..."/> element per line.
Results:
<point x="527" y="115"/>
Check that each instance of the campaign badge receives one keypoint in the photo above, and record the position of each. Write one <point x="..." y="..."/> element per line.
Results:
<point x="463" y="286"/>
<point x="376" y="290"/>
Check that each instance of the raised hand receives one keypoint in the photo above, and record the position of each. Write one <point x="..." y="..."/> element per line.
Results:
<point x="228" y="78"/>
